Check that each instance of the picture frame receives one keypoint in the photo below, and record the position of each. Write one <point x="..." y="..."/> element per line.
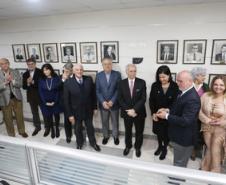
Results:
<point x="194" y="51"/>
<point x="21" y="70"/>
<point x="91" y="73"/>
<point x="211" y="76"/>
<point x="50" y="52"/>
<point x="19" y="52"/>
<point x="34" y="51"/>
<point x="88" y="52"/>
<point x="57" y="71"/>
<point x="167" y="51"/>
<point x="110" y="49"/>
<point x="68" y="52"/>
<point x="218" y="56"/>
<point x="174" y="75"/>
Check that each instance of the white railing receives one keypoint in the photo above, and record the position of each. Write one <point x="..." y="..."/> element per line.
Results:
<point x="36" y="163"/>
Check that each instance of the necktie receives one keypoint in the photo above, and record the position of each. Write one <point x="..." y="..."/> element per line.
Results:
<point x="80" y="81"/>
<point x="194" y="57"/>
<point x="131" y="88"/>
<point x="166" y="56"/>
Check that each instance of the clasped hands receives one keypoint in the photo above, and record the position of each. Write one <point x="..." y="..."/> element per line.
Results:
<point x="215" y="121"/>
<point x="131" y="113"/>
<point x="107" y="104"/>
<point x="161" y="113"/>
<point x="50" y="104"/>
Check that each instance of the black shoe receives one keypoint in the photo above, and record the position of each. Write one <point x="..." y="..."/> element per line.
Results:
<point x="96" y="147"/>
<point x="36" y="131"/>
<point x="116" y="141"/>
<point x="47" y="131"/>
<point x="138" y="152"/>
<point x="4" y="182"/>
<point x="57" y="132"/>
<point x="158" y="151"/>
<point x="68" y="139"/>
<point x="163" y="154"/>
<point x="79" y="147"/>
<point x="126" y="151"/>
<point x="24" y="135"/>
<point x="105" y="140"/>
<point x="52" y="133"/>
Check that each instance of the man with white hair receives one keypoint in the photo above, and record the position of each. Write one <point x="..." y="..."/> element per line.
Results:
<point x="80" y="103"/>
<point x="131" y="98"/>
<point x="182" y="119"/>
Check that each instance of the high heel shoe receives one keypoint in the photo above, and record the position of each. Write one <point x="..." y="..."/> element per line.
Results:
<point x="158" y="151"/>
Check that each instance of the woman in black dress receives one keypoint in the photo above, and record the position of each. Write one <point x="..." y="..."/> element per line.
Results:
<point x="163" y="93"/>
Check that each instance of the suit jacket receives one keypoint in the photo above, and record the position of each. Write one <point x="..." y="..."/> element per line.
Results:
<point x="107" y="91"/>
<point x="198" y="57"/>
<point x="183" y="118"/>
<point x="32" y="90"/>
<point x="137" y="102"/>
<point x="80" y="100"/>
<point x="170" y="56"/>
<point x="15" y="86"/>
<point x="218" y="57"/>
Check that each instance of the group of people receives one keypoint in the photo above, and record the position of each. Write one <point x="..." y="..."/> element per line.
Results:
<point x="185" y="113"/>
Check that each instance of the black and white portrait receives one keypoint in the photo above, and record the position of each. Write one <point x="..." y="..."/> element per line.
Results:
<point x="110" y="49"/>
<point x="167" y="51"/>
<point x="88" y="52"/>
<point x="19" y="52"/>
<point x="68" y="52"/>
<point x="34" y="52"/>
<point x="219" y="52"/>
<point x="174" y="76"/>
<point x="21" y="70"/>
<point x="50" y="52"/>
<point x="194" y="51"/>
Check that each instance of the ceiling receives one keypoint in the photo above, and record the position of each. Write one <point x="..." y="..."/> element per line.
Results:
<point x="11" y="9"/>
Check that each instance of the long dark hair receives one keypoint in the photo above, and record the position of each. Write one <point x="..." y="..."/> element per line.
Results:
<point x="49" y="67"/>
<point x="163" y="70"/>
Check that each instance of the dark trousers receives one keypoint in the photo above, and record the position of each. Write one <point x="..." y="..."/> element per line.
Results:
<point x="35" y="113"/>
<point x="139" y="129"/>
<point x="67" y="127"/>
<point x="79" y="132"/>
<point x="49" y="120"/>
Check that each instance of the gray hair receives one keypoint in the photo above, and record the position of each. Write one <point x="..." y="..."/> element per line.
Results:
<point x="130" y="65"/>
<point x="198" y="71"/>
<point x="68" y="66"/>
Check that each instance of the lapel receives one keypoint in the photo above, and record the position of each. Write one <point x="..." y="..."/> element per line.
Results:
<point x="110" y="79"/>
<point x="105" y="79"/>
<point x="134" y="88"/>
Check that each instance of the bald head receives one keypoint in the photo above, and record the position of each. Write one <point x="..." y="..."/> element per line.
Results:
<point x="78" y="70"/>
<point x="184" y="80"/>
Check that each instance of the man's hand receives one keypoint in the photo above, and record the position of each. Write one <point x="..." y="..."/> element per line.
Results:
<point x="110" y="104"/>
<point x="161" y="114"/>
<point x="105" y="105"/>
<point x="29" y="81"/>
<point x="72" y="120"/>
<point x="131" y="113"/>
<point x="154" y="117"/>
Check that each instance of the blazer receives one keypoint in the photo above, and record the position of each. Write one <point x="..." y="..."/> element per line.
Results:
<point x="137" y="102"/>
<point x="218" y="57"/>
<point x="107" y="91"/>
<point x="15" y="86"/>
<point x="183" y="118"/>
<point x="32" y="90"/>
<point x="170" y="56"/>
<point x="80" y="100"/>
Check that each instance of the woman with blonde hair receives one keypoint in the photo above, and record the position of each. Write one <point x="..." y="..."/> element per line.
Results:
<point x="213" y="118"/>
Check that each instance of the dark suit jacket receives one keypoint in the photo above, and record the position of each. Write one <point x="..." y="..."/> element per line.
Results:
<point x="107" y="91"/>
<point x="80" y="100"/>
<point x="218" y="57"/>
<point x="183" y="118"/>
<point x="170" y="56"/>
<point x="32" y="90"/>
<point x="137" y="102"/>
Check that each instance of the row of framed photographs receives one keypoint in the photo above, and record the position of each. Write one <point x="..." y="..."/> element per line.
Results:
<point x="88" y="52"/>
<point x="194" y="52"/>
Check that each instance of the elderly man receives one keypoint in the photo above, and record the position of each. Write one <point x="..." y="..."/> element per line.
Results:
<point x="132" y="97"/>
<point x="80" y="103"/>
<point x="182" y="119"/>
<point x="106" y="90"/>
<point x="11" y="98"/>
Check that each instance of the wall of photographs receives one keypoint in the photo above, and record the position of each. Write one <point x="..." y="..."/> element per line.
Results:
<point x="159" y="35"/>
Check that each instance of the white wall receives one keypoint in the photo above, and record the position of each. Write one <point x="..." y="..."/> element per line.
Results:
<point x="137" y="31"/>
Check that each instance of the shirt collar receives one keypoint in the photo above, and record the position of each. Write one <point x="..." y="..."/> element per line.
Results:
<point x="183" y="92"/>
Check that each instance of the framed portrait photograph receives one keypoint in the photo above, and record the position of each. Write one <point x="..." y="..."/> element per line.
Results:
<point x="174" y="75"/>
<point x="88" y="52"/>
<point x="91" y="73"/>
<point x="68" y="52"/>
<point x="110" y="49"/>
<point x="21" y="71"/>
<point x="211" y="76"/>
<point x="34" y="51"/>
<point x="57" y="71"/>
<point x="194" y="51"/>
<point x="167" y="51"/>
<point x="219" y="52"/>
<point x="50" y="52"/>
<point x="19" y="53"/>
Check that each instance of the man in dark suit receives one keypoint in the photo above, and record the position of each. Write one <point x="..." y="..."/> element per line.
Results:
<point x="110" y="53"/>
<point x="166" y="54"/>
<point x="221" y="57"/>
<point x="30" y="84"/>
<point x="107" y="90"/>
<point x="182" y="119"/>
<point x="80" y="104"/>
<point x="132" y="97"/>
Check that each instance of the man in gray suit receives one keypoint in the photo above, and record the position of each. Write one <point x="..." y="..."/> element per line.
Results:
<point x="106" y="90"/>
<point x="11" y="98"/>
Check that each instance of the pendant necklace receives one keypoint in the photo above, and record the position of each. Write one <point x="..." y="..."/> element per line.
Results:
<point x="49" y="86"/>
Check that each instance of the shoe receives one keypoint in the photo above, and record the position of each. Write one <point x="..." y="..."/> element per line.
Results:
<point x="96" y="147"/>
<point x="138" y="152"/>
<point x="52" y="133"/>
<point x="68" y="139"/>
<point x="24" y="135"/>
<point x="126" y="151"/>
<point x="79" y="147"/>
<point x="116" y="141"/>
<point x="46" y="133"/>
<point x="105" y="140"/>
<point x="57" y="132"/>
<point x="36" y="131"/>
<point x="158" y="151"/>
<point x="163" y="154"/>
